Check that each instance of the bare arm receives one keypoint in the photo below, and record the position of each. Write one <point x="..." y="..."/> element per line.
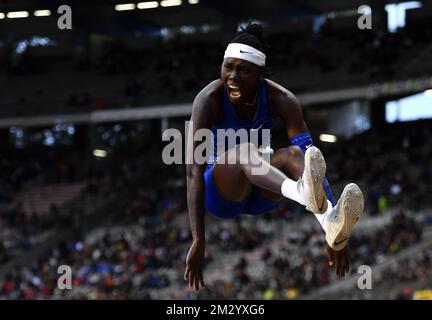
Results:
<point x="201" y="118"/>
<point x="195" y="173"/>
<point x="288" y="108"/>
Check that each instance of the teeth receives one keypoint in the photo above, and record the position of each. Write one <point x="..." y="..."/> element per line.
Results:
<point x="233" y="87"/>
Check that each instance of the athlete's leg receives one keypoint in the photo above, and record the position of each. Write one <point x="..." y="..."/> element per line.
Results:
<point x="290" y="161"/>
<point x="234" y="178"/>
<point x="337" y="222"/>
<point x="234" y="175"/>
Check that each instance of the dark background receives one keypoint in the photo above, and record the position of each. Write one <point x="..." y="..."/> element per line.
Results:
<point x="117" y="79"/>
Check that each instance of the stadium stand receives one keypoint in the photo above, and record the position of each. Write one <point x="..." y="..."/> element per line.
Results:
<point x="95" y="194"/>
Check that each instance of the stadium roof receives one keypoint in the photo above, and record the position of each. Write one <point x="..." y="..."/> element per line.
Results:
<point x="100" y="16"/>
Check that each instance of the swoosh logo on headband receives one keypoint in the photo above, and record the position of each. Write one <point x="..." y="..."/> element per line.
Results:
<point x="241" y="51"/>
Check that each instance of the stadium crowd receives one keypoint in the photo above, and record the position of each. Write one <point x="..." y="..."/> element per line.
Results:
<point x="138" y="247"/>
<point x="295" y="60"/>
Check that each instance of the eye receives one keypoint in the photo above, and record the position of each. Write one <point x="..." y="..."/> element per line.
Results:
<point x="227" y="66"/>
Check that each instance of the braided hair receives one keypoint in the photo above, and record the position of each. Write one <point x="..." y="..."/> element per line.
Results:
<point x="252" y="35"/>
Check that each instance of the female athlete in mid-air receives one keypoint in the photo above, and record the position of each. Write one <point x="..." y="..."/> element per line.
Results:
<point x="227" y="185"/>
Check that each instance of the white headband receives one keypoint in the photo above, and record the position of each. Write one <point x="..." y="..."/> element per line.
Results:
<point x="245" y="52"/>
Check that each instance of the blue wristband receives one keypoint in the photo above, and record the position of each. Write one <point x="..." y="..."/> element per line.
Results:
<point x="302" y="140"/>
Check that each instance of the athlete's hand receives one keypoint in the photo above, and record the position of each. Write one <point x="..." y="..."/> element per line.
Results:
<point x="194" y="265"/>
<point x="339" y="259"/>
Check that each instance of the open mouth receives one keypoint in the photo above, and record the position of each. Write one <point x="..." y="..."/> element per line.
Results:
<point x="234" y="92"/>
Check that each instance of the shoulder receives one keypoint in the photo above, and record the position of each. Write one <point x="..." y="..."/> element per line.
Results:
<point x="208" y="101"/>
<point x="210" y="94"/>
<point x="281" y="100"/>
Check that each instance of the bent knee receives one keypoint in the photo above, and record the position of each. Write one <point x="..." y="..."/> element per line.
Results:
<point x="294" y="153"/>
<point x="247" y="147"/>
<point x="290" y="160"/>
<point x="246" y="151"/>
<point x="239" y="154"/>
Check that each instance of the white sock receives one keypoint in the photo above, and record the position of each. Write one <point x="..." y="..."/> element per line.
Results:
<point x="293" y="190"/>
<point x="322" y="217"/>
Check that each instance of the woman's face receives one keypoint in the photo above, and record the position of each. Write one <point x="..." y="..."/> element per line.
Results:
<point x="241" y="79"/>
